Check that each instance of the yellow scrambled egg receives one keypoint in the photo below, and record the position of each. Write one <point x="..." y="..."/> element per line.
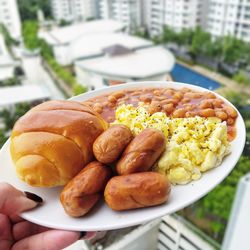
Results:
<point x="193" y="145"/>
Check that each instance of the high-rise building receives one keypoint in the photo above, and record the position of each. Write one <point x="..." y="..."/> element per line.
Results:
<point x="128" y="12"/>
<point x="229" y="17"/>
<point x="9" y="17"/>
<point x="73" y="10"/>
<point x="176" y="14"/>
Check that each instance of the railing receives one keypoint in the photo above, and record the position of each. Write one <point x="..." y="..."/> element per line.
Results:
<point x="176" y="233"/>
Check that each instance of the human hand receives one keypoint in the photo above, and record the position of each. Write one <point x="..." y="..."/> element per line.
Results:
<point x="18" y="234"/>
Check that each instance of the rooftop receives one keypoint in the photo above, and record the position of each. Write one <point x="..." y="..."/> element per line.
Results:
<point x="142" y="63"/>
<point x="67" y="34"/>
<point x="94" y="44"/>
<point x="19" y="94"/>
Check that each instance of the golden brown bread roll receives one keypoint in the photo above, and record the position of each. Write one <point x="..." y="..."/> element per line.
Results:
<point x="142" y="152"/>
<point x="52" y="142"/>
<point x="85" y="189"/>
<point x="110" y="144"/>
<point x="137" y="190"/>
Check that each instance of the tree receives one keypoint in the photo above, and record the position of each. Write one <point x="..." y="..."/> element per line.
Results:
<point x="242" y="78"/>
<point x="168" y="35"/>
<point x="64" y="22"/>
<point x="217" y="204"/>
<point x="79" y="89"/>
<point x="7" y="37"/>
<point x="29" y="32"/>
<point x="200" y="42"/>
<point x="3" y="137"/>
<point x="234" y="50"/>
<point x="28" y="8"/>
<point x="185" y="37"/>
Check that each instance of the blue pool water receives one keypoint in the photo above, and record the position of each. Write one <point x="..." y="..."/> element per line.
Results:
<point x="186" y="75"/>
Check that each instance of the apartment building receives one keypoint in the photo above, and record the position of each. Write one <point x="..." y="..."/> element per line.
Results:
<point x="128" y="12"/>
<point x="73" y="10"/>
<point x="176" y="14"/>
<point x="229" y="17"/>
<point x="9" y="17"/>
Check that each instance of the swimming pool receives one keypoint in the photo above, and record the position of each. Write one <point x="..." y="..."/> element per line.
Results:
<point x="181" y="73"/>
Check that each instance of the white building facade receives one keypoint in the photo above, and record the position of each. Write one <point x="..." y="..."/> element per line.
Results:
<point x="176" y="14"/>
<point x="10" y="18"/>
<point x="229" y="17"/>
<point x="128" y="12"/>
<point x="73" y="10"/>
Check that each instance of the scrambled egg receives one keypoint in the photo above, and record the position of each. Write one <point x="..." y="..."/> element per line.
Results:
<point x="193" y="145"/>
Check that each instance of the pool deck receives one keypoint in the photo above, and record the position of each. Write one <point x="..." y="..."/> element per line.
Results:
<point x="228" y="84"/>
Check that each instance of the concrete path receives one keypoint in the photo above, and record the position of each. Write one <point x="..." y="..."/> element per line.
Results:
<point x="36" y="74"/>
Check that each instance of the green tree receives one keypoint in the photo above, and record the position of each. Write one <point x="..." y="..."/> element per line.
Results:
<point x="3" y="138"/>
<point x="169" y="35"/>
<point x="7" y="37"/>
<point x="185" y="37"/>
<point x="8" y="119"/>
<point x="218" y="203"/>
<point x="237" y="99"/>
<point x="29" y="32"/>
<point x="79" y="89"/>
<point x="200" y="42"/>
<point x="241" y="78"/>
<point x="28" y="8"/>
<point x="10" y="82"/>
<point x="63" y="23"/>
<point x="234" y="50"/>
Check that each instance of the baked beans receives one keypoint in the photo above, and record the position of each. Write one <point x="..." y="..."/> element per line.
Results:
<point x="178" y="103"/>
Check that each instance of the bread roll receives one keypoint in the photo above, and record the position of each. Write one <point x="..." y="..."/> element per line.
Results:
<point x="52" y="142"/>
<point x="137" y="190"/>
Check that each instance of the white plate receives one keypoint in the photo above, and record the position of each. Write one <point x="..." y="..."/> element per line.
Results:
<point x="51" y="213"/>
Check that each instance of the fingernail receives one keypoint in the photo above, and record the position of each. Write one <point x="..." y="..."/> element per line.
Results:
<point x="33" y="197"/>
<point x="82" y="234"/>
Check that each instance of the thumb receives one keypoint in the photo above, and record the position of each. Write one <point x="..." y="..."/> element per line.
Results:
<point x="13" y="201"/>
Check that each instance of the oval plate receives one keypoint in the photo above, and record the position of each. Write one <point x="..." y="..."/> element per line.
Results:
<point x="51" y="213"/>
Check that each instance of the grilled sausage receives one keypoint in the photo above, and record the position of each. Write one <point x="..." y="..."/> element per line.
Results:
<point x="111" y="143"/>
<point x="85" y="189"/>
<point x="137" y="190"/>
<point x="142" y="152"/>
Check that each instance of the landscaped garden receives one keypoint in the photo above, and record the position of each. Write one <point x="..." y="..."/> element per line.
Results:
<point x="227" y="55"/>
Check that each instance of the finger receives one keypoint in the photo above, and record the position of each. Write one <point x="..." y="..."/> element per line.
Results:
<point x="50" y="240"/>
<point x="6" y="239"/>
<point x="13" y="201"/>
<point x="25" y="229"/>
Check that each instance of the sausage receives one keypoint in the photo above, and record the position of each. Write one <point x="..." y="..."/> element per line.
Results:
<point x="110" y="144"/>
<point x="142" y="152"/>
<point x="83" y="191"/>
<point x="137" y="190"/>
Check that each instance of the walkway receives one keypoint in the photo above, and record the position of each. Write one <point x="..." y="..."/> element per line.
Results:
<point x="36" y="74"/>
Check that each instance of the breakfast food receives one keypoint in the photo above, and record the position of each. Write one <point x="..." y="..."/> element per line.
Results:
<point x="176" y="103"/>
<point x="193" y="145"/>
<point x="53" y="141"/>
<point x="136" y="191"/>
<point x="154" y="137"/>
<point x="109" y="146"/>
<point x="85" y="189"/>
<point x="142" y="152"/>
